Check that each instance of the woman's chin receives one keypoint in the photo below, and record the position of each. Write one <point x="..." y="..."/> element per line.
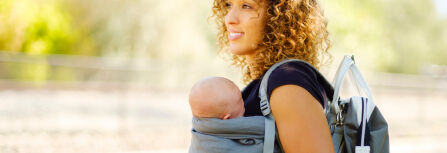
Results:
<point x="239" y="51"/>
<point x="235" y="52"/>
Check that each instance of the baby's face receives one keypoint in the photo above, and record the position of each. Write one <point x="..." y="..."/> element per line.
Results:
<point x="238" y="109"/>
<point x="225" y="104"/>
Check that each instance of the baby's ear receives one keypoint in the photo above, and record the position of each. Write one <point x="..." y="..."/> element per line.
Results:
<point x="227" y="116"/>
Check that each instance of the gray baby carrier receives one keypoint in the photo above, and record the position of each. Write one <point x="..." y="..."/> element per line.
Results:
<point x="356" y="124"/>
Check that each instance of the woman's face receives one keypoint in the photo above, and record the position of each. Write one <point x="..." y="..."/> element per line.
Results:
<point x="245" y="23"/>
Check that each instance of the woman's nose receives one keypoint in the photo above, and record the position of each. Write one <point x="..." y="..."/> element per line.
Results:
<point x="232" y="17"/>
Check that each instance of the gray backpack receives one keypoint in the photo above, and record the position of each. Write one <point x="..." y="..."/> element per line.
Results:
<point x="356" y="124"/>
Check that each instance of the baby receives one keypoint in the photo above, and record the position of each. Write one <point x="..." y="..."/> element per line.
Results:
<point x="216" y="97"/>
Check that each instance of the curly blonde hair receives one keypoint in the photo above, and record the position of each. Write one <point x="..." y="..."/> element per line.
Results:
<point x="294" y="29"/>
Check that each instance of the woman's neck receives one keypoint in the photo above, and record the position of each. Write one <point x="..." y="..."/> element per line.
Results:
<point x="251" y="58"/>
<point x="251" y="61"/>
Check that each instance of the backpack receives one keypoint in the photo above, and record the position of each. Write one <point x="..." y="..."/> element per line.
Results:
<point x="355" y="123"/>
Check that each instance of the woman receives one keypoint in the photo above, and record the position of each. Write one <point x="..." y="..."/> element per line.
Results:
<point x="259" y="33"/>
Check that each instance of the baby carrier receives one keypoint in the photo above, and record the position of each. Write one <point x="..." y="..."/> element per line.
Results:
<point x="356" y="124"/>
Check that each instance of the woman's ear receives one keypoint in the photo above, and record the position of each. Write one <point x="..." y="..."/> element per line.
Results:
<point x="227" y="116"/>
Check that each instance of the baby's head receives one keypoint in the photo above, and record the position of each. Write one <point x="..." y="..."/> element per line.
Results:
<point x="216" y="97"/>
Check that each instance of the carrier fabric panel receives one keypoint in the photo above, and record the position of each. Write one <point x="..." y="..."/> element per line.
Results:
<point x="203" y="143"/>
<point x="243" y="134"/>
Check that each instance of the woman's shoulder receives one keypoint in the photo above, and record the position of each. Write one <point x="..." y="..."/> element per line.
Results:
<point x="296" y="73"/>
<point x="294" y="68"/>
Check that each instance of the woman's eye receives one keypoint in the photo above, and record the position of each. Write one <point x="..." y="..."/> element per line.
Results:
<point x="245" y="6"/>
<point x="227" y="5"/>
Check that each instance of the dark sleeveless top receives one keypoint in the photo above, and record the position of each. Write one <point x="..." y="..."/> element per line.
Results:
<point x="295" y="73"/>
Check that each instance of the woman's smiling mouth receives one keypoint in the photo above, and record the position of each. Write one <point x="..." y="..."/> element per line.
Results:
<point x="235" y="35"/>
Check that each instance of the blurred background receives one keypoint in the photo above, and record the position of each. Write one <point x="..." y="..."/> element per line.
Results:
<point x="113" y="76"/>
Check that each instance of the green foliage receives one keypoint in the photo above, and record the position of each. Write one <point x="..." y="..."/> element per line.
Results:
<point x="392" y="36"/>
<point x="39" y="28"/>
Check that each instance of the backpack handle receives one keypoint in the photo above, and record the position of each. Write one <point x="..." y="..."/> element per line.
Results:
<point x="348" y="64"/>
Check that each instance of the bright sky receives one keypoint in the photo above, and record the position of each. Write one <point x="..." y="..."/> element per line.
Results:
<point x="441" y="7"/>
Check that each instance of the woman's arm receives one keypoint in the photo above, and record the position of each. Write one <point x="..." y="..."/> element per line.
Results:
<point x="300" y="119"/>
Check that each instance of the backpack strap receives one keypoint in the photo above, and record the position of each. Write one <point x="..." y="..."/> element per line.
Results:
<point x="270" y="128"/>
<point x="265" y="108"/>
<point x="348" y="63"/>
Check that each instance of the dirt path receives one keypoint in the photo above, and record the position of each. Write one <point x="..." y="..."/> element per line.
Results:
<point x="56" y="121"/>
